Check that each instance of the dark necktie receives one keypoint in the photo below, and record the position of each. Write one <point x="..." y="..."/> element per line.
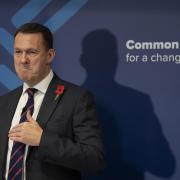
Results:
<point x="18" y="149"/>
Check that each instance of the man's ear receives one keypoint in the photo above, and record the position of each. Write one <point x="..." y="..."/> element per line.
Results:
<point x="51" y="55"/>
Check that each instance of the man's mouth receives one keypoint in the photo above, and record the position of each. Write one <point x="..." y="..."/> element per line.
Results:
<point x="26" y="68"/>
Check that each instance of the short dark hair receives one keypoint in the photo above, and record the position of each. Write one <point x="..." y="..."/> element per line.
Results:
<point x="37" y="28"/>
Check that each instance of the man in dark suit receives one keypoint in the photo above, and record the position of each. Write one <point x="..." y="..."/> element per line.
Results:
<point x="48" y="127"/>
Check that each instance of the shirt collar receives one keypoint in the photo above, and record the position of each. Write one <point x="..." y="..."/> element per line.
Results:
<point x="42" y="85"/>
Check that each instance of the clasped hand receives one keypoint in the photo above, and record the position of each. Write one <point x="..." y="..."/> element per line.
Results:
<point x="28" y="132"/>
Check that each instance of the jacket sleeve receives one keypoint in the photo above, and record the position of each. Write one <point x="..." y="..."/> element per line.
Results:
<point x="83" y="152"/>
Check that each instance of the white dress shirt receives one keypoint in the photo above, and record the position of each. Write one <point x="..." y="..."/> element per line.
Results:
<point x="38" y="98"/>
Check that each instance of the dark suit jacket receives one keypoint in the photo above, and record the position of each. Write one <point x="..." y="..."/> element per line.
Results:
<point x="71" y="140"/>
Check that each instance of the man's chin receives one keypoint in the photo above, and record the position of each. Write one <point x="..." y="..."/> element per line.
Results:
<point x="24" y="78"/>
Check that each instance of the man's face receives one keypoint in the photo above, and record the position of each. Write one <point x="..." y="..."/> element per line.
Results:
<point x="31" y="58"/>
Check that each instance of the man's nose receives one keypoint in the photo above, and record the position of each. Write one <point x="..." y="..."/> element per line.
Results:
<point x="24" y="58"/>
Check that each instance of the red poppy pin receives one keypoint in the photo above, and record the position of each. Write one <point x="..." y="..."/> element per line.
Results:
<point x="59" y="91"/>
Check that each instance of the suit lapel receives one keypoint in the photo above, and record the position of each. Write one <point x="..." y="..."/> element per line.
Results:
<point x="48" y="105"/>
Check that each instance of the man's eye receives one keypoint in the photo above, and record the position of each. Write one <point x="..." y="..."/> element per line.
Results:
<point x="18" y="52"/>
<point x="31" y="53"/>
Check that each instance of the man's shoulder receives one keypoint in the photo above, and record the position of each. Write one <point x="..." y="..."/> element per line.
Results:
<point x="12" y="93"/>
<point x="71" y="87"/>
<point x="74" y="91"/>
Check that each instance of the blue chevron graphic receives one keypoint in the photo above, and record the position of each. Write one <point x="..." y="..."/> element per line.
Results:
<point x="8" y="78"/>
<point x="26" y="14"/>
<point x="6" y="40"/>
<point x="64" y="14"/>
<point x="29" y="11"/>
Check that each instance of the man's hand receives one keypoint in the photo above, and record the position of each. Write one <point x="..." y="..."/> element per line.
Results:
<point x="28" y="132"/>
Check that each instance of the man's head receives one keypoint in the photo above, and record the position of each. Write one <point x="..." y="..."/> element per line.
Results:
<point x="33" y="52"/>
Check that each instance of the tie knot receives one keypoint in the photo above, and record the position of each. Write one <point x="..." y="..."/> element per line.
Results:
<point x="31" y="91"/>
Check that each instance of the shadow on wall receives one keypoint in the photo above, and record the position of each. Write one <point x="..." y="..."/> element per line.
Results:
<point x="133" y="138"/>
